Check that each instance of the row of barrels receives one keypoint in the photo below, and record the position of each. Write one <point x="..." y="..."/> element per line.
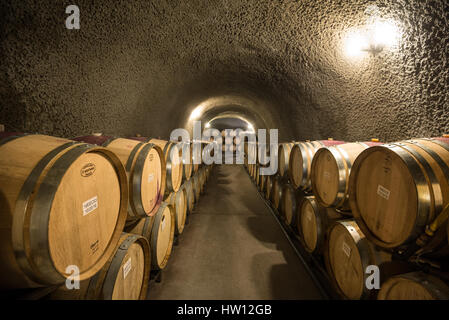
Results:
<point x="394" y="191"/>
<point x="145" y="245"/>
<point x="328" y="228"/>
<point x="65" y="203"/>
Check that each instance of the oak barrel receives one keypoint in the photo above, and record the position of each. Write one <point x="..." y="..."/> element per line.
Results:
<point x="330" y="171"/>
<point x="262" y="181"/>
<point x="348" y="249"/>
<point x="290" y="201"/>
<point x="284" y="157"/>
<point x="313" y="222"/>
<point x="62" y="203"/>
<point x="257" y="174"/>
<point x="300" y="162"/>
<point x="159" y="230"/>
<point x="268" y="186"/>
<point x="399" y="188"/>
<point x="190" y="195"/>
<point x="124" y="277"/>
<point x="196" y="155"/>
<point x="413" y="286"/>
<point x="196" y="186"/>
<point x="187" y="160"/>
<point x="173" y="162"/>
<point x="202" y="179"/>
<point x="145" y="169"/>
<point x="276" y="192"/>
<point x="178" y="200"/>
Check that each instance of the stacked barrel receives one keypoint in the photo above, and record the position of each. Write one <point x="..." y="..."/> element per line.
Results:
<point x="230" y="140"/>
<point x="355" y="205"/>
<point x="98" y="209"/>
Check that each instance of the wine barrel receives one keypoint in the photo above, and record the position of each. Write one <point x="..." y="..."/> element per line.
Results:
<point x="330" y="171"/>
<point x="202" y="179"/>
<point x="313" y="222"/>
<point x="284" y="157"/>
<point x="196" y="156"/>
<point x="178" y="200"/>
<point x="173" y="162"/>
<point x="257" y="174"/>
<point x="251" y="153"/>
<point x="348" y="249"/>
<point x="268" y="186"/>
<point x="399" y="188"/>
<point x="187" y="160"/>
<point x="300" y="162"/>
<point x="276" y="192"/>
<point x="290" y="201"/>
<point x="414" y="286"/>
<point x="208" y="172"/>
<point x="145" y="169"/>
<point x="196" y="186"/>
<point x="124" y="277"/>
<point x="262" y="181"/>
<point x="190" y="195"/>
<point x="159" y="230"/>
<point x="237" y="140"/>
<point x="62" y="203"/>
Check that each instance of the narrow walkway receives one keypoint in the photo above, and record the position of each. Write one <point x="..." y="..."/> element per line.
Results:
<point x="233" y="248"/>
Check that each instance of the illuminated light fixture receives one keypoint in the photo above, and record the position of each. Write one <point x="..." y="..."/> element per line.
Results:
<point x="376" y="36"/>
<point x="207" y="125"/>
<point x="196" y="113"/>
<point x="250" y="127"/>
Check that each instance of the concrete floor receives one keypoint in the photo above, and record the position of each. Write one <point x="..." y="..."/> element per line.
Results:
<point x="233" y="249"/>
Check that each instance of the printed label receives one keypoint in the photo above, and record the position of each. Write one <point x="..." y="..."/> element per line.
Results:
<point x="126" y="268"/>
<point x="90" y="205"/>
<point x="150" y="177"/>
<point x="383" y="192"/>
<point x="162" y="225"/>
<point x="346" y="249"/>
<point x="87" y="170"/>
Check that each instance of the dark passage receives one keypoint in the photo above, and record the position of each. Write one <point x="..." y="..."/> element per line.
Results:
<point x="233" y="249"/>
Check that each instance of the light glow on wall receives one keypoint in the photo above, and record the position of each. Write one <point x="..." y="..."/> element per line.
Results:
<point x="196" y="113"/>
<point x="376" y="36"/>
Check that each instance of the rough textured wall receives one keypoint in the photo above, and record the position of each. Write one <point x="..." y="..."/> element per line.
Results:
<point x="139" y="66"/>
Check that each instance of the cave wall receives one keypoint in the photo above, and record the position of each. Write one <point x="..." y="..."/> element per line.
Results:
<point x="140" y="66"/>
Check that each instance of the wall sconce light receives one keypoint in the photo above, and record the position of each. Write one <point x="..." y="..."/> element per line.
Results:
<point x="373" y="38"/>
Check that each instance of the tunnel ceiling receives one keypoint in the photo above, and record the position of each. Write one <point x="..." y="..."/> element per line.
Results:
<point x="228" y="123"/>
<point x="143" y="66"/>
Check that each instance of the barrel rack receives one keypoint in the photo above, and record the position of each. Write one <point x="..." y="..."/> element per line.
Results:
<point x="313" y="265"/>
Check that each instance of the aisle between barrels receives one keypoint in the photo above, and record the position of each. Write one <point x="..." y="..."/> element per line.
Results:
<point x="233" y="248"/>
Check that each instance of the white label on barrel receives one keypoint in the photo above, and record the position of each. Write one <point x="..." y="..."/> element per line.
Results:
<point x="90" y="205"/>
<point x="383" y="192"/>
<point x="150" y="177"/>
<point x="346" y="249"/>
<point x="162" y="225"/>
<point x="126" y="268"/>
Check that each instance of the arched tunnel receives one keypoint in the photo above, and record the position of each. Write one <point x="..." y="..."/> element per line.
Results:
<point x="345" y="70"/>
